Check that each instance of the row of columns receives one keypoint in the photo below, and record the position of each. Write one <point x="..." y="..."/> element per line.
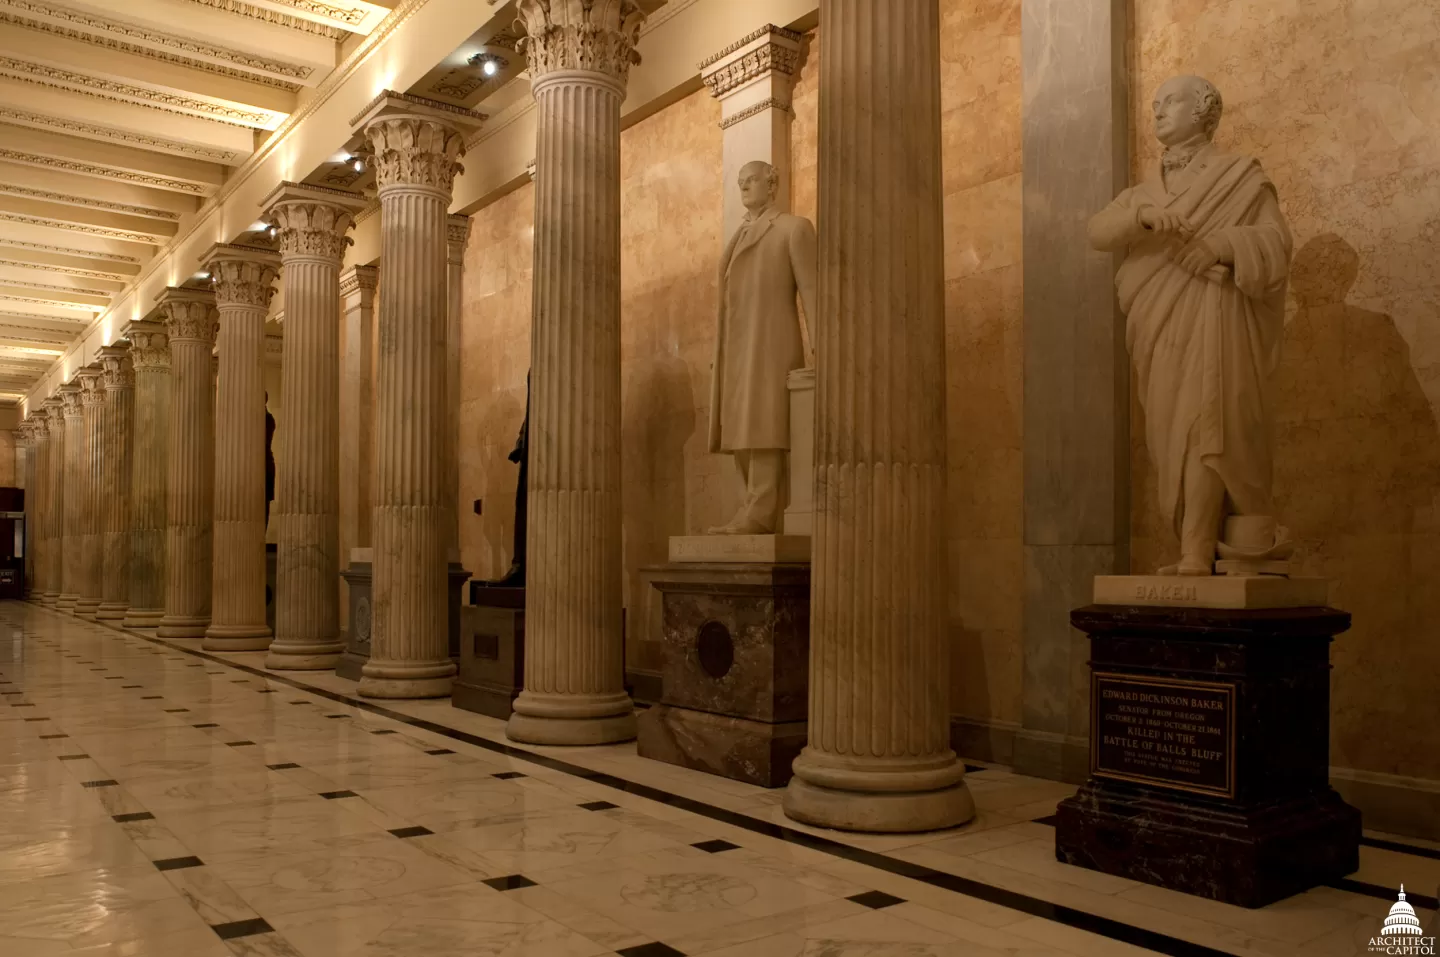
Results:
<point x="878" y="755"/>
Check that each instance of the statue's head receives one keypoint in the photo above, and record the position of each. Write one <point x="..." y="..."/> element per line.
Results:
<point x="759" y="182"/>
<point x="1186" y="107"/>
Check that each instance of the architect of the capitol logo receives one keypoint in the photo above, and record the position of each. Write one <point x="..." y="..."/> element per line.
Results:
<point x="1401" y="933"/>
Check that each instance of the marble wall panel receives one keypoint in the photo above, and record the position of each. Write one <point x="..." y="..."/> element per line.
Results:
<point x="1340" y="100"/>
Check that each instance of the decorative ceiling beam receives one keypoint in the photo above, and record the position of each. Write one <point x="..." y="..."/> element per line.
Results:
<point x="104" y="190"/>
<point x="129" y="67"/>
<point x="349" y="15"/>
<point x="33" y="147"/>
<point x="77" y="261"/>
<point x="54" y="294"/>
<point x="41" y="327"/>
<point x="74" y="115"/>
<point x="53" y="196"/>
<point x="96" y="247"/>
<point x="22" y="270"/>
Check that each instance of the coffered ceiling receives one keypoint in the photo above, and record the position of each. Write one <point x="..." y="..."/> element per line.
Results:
<point x="117" y="121"/>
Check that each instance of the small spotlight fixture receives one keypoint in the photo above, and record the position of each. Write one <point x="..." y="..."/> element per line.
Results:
<point x="489" y="63"/>
<point x="272" y="231"/>
<point x="357" y="163"/>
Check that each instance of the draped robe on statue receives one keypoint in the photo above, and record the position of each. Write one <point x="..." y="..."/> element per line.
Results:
<point x="1205" y="347"/>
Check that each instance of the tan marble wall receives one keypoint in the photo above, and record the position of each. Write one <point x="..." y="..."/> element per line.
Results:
<point x="671" y="239"/>
<point x="11" y="465"/>
<point x="1340" y="100"/>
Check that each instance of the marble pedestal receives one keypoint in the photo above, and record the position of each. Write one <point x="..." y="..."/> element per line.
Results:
<point x="1209" y="752"/>
<point x="736" y="669"/>
<point x="492" y="651"/>
<point x="357" y="645"/>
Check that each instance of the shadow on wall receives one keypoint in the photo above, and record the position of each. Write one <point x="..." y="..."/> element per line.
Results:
<point x="1357" y="477"/>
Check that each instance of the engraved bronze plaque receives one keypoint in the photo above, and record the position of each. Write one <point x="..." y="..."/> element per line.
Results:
<point x="1164" y="732"/>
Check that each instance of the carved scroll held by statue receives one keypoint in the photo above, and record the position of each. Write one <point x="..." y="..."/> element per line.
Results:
<point x="758" y="341"/>
<point x="1203" y="290"/>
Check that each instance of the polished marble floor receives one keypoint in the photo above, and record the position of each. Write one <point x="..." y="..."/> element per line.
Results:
<point x="156" y="801"/>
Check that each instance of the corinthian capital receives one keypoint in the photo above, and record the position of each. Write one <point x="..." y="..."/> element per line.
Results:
<point x="188" y="314"/>
<point x="70" y="394"/>
<point x="597" y="36"/>
<point x="416" y="141"/>
<point x="92" y="385"/>
<point x="313" y="220"/>
<point x="53" y="410"/>
<point x="244" y="275"/>
<point x="119" y="372"/>
<point x="149" y="346"/>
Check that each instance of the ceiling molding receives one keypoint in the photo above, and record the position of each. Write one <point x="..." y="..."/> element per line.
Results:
<point x="106" y="89"/>
<point x="266" y="15"/>
<point x="121" y="136"/>
<point x="246" y="61"/>
<point x="350" y="15"/>
<point x="105" y="172"/>
<point x="107" y="293"/>
<point x="70" y="199"/>
<point x="64" y="251"/>
<point x="58" y="303"/>
<point x="105" y="232"/>
<point x="65" y="270"/>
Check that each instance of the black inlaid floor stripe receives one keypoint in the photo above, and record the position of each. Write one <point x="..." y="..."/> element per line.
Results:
<point x="1383" y="893"/>
<point x="1400" y="847"/>
<point x="134" y="816"/>
<point x="967" y="887"/>
<point x="178" y="863"/>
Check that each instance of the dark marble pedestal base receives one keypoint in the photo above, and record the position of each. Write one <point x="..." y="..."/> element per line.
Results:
<point x="1210" y="753"/>
<point x="492" y="651"/>
<point x="755" y="752"/>
<point x="357" y="644"/>
<point x="735" y="678"/>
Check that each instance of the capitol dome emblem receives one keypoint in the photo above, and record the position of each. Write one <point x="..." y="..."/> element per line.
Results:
<point x="1402" y="933"/>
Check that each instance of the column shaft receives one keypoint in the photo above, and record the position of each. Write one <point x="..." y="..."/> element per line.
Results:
<point x="119" y="420"/>
<point x="357" y="411"/>
<point x="92" y="555"/>
<point x="75" y="498"/>
<point x="243" y="279"/>
<point x="312" y="225"/>
<point x="149" y="474"/>
<point x="410" y="654"/>
<point x="190" y="492"/>
<point x="28" y="443"/>
<point x="878" y="756"/>
<point x="574" y="672"/>
<point x="54" y="502"/>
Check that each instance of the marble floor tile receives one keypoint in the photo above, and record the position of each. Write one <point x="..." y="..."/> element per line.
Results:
<point x="285" y="826"/>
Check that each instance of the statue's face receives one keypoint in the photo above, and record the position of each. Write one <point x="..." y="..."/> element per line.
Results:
<point x="755" y="190"/>
<point x="1175" y="119"/>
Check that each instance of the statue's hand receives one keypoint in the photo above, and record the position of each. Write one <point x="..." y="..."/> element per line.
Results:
<point x="1197" y="257"/>
<point x="1160" y="220"/>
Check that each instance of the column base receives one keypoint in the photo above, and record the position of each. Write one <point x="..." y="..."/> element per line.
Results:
<point x="66" y="602"/>
<point x="142" y="617"/>
<point x="111" y="611"/>
<point x="86" y="607"/>
<point x="406" y="679"/>
<point x="900" y="799"/>
<point x="577" y="720"/>
<point x="292" y="655"/>
<point x="183" y="626"/>
<point x="236" y="638"/>
<point x="48" y="599"/>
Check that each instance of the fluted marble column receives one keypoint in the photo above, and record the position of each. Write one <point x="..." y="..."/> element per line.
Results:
<point x="580" y="56"/>
<point x="190" y="322"/>
<point x="417" y="147"/>
<point x="116" y="509"/>
<point x="75" y="500"/>
<point x="243" y="280"/>
<point x="149" y="473"/>
<point x="54" y="554"/>
<point x="457" y="234"/>
<point x="313" y="222"/>
<point x="92" y="472"/>
<point x="879" y="756"/>
<point x="29" y="441"/>
<point x="357" y="411"/>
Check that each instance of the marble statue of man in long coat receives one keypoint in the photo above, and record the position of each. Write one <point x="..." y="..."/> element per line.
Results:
<point x="758" y="341"/>
<point x="1203" y="290"/>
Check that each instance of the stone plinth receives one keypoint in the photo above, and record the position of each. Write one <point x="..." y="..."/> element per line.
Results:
<point x="1209" y="753"/>
<point x="358" y="578"/>
<point x="492" y="651"/>
<point x="735" y="676"/>
<point x="1213" y="591"/>
<point x="740" y="548"/>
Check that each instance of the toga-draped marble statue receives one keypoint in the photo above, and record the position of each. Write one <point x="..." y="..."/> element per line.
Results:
<point x="1203" y="290"/>
<point x="758" y="341"/>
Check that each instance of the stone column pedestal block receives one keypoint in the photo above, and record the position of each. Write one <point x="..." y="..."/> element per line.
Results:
<point x="735" y="674"/>
<point x="492" y="651"/>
